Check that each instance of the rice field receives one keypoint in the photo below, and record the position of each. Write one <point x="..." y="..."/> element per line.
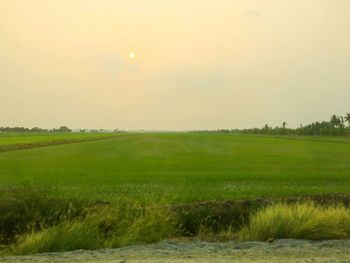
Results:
<point x="181" y="167"/>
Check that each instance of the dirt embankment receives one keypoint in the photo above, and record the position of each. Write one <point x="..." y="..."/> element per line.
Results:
<point x="170" y="251"/>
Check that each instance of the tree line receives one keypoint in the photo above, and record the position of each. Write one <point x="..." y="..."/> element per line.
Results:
<point x="336" y="126"/>
<point x="62" y="129"/>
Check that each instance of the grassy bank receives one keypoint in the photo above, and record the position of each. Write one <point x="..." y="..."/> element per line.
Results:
<point x="32" y="221"/>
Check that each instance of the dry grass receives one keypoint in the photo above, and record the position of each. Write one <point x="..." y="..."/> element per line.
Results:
<point x="298" y="221"/>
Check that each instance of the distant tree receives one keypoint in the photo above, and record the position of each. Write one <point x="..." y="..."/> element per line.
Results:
<point x="64" y="129"/>
<point x="265" y="129"/>
<point x="341" y="125"/>
<point x="36" y="129"/>
<point x="335" y="122"/>
<point x="347" y="118"/>
<point x="335" y="126"/>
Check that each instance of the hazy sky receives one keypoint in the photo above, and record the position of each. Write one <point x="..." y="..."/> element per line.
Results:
<point x="199" y="64"/>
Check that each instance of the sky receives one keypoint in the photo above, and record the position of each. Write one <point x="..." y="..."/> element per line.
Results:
<point x="198" y="64"/>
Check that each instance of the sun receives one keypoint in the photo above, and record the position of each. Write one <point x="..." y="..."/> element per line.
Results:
<point x="131" y="55"/>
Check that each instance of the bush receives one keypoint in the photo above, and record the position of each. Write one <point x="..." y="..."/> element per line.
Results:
<point x="298" y="221"/>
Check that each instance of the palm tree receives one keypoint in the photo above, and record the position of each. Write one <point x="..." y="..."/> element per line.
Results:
<point x="341" y="125"/>
<point x="347" y="118"/>
<point x="341" y="121"/>
<point x="333" y="122"/>
<point x="284" y="124"/>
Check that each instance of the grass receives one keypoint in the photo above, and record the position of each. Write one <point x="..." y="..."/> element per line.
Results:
<point x="32" y="222"/>
<point x="107" y="228"/>
<point x="31" y="209"/>
<point x="24" y="138"/>
<point x="183" y="167"/>
<point x="134" y="189"/>
<point x="129" y="222"/>
<point x="298" y="221"/>
<point x="13" y="141"/>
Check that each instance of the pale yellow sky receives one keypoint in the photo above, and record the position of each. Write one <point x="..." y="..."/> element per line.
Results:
<point x="199" y="64"/>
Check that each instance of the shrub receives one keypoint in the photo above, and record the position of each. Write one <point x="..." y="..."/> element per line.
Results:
<point x="298" y="221"/>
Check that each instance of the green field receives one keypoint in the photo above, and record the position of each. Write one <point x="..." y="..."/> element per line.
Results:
<point x="21" y="138"/>
<point x="180" y="166"/>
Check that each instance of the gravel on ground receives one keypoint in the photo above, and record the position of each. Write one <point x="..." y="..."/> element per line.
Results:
<point x="199" y="251"/>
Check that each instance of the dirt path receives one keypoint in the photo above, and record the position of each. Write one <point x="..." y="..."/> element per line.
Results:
<point x="168" y="251"/>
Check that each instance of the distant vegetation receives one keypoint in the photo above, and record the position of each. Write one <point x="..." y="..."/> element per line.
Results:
<point x="336" y="126"/>
<point x="62" y="129"/>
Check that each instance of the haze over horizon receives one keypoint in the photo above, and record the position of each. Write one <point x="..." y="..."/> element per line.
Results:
<point x="173" y="65"/>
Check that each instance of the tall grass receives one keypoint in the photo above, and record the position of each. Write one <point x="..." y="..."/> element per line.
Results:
<point x="124" y="223"/>
<point x="32" y="221"/>
<point x="64" y="237"/>
<point x="30" y="208"/>
<point x="298" y="221"/>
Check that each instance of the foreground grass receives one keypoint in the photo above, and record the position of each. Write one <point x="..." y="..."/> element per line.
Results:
<point x="185" y="166"/>
<point x="32" y="222"/>
<point x="116" y="226"/>
<point x="28" y="209"/>
<point x="298" y="221"/>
